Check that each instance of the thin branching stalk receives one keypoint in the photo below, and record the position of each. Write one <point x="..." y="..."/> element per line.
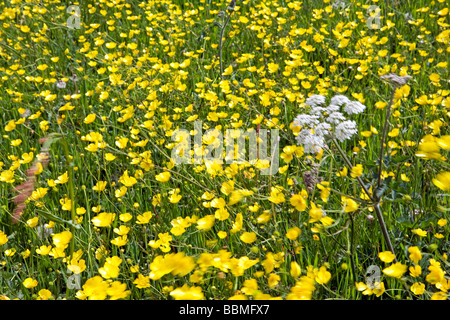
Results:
<point x="383" y="138"/>
<point x="222" y="32"/>
<point x="352" y="260"/>
<point x="375" y="201"/>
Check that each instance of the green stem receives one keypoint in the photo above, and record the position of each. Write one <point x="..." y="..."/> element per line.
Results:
<point x="69" y="165"/>
<point x="372" y="198"/>
<point x="383" y="139"/>
<point x="352" y="234"/>
<point x="350" y="165"/>
<point x="383" y="228"/>
<point x="222" y="31"/>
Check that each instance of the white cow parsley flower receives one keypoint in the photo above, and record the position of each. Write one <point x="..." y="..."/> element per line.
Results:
<point x="332" y="108"/>
<point x="323" y="129"/>
<point x="345" y="130"/>
<point x="326" y="121"/>
<point x="335" y="118"/>
<point x="354" y="107"/>
<point x="339" y="100"/>
<point x="306" y="119"/>
<point x="315" y="100"/>
<point x="318" y="111"/>
<point x="313" y="143"/>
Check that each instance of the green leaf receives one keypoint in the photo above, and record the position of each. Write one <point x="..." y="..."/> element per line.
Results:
<point x="405" y="221"/>
<point x="54" y="218"/>
<point x="400" y="159"/>
<point x="380" y="190"/>
<point x="12" y="236"/>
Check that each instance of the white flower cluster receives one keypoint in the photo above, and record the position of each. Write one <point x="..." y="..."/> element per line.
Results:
<point x="322" y="121"/>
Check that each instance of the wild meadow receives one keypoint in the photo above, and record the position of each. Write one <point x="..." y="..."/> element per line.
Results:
<point x="94" y="206"/>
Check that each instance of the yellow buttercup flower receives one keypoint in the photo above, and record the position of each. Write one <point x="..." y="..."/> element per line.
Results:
<point x="33" y="222"/>
<point x="100" y="186"/>
<point x="436" y="274"/>
<point x="126" y="180"/>
<point x="111" y="268"/>
<point x="10" y="126"/>
<point x="95" y="288"/>
<point x="315" y="213"/>
<point x="237" y="225"/>
<point x="30" y="283"/>
<point x="163" y="177"/>
<point x="117" y="290"/>
<point x="62" y="178"/>
<point x="386" y="256"/>
<point x="295" y="269"/>
<point x="227" y="187"/>
<point x="302" y="290"/>
<point x="414" y="254"/>
<point x="235" y="197"/>
<point x="357" y="171"/>
<point x="396" y="270"/>
<point x="323" y="276"/>
<point x="420" y="232"/>
<point x="120" y="240"/>
<point x="221" y="214"/>
<point x="89" y="118"/>
<point x="276" y="196"/>
<point x="273" y="280"/>
<point x="175" y="197"/>
<point x="66" y="204"/>
<point x="248" y="237"/>
<point x="293" y="233"/>
<point x="142" y="282"/>
<point x="44" y="294"/>
<point x="415" y="271"/>
<point x="43" y="250"/>
<point x="299" y="201"/>
<point x="62" y="239"/>
<point x="3" y="238"/>
<point x="442" y="181"/>
<point x="103" y="219"/>
<point x="144" y="218"/>
<point x="188" y="293"/>
<point x="343" y="172"/>
<point x="7" y="176"/>
<point x="350" y="205"/>
<point x="228" y="71"/>
<point x="206" y="222"/>
<point x="417" y="288"/>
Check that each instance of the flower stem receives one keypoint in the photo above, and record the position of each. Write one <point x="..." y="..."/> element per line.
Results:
<point x="69" y="165"/>
<point x="222" y="31"/>
<point x="372" y="198"/>
<point x="350" y="165"/>
<point x="383" y="139"/>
